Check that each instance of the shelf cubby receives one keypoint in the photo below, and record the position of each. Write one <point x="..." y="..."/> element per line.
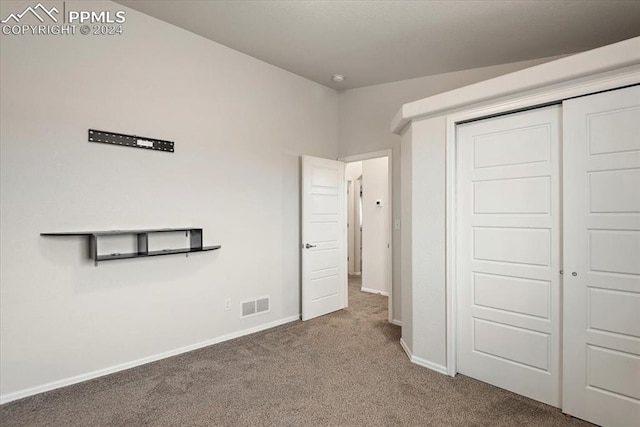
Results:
<point x="142" y="239"/>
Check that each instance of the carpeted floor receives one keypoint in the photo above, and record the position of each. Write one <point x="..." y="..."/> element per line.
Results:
<point x="343" y="369"/>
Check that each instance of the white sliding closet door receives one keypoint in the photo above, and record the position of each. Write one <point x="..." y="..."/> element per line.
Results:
<point x="601" y="378"/>
<point x="508" y="252"/>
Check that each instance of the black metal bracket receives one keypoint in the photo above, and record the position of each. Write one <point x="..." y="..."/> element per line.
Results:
<point x="130" y="140"/>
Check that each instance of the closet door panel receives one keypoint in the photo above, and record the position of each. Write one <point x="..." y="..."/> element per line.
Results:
<point x="508" y="252"/>
<point x="601" y="310"/>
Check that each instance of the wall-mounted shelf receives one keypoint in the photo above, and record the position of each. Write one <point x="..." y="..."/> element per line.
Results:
<point x="195" y="240"/>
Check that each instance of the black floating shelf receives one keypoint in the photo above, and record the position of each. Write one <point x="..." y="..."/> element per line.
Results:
<point x="130" y="140"/>
<point x="110" y="257"/>
<point x="195" y="242"/>
<point x="116" y="232"/>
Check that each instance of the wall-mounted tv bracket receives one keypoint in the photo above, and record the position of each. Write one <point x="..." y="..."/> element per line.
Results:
<point x="130" y="140"/>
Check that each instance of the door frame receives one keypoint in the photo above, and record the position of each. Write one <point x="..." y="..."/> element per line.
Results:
<point x="349" y="209"/>
<point x="376" y="155"/>
<point x="548" y="95"/>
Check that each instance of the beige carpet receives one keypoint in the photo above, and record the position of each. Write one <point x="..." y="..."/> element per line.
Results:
<point x="343" y="369"/>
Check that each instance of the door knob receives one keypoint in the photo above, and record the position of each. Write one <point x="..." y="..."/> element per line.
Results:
<point x="308" y="246"/>
<point x="574" y="274"/>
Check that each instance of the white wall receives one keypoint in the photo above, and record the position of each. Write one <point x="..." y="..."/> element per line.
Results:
<point x="357" y="230"/>
<point x="365" y="116"/>
<point x="350" y="225"/>
<point x="353" y="171"/>
<point x="428" y="297"/>
<point x="406" y="264"/>
<point x="239" y="126"/>
<point x="423" y="251"/>
<point x="375" y="225"/>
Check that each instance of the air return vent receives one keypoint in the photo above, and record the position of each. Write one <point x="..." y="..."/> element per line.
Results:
<point x="253" y="307"/>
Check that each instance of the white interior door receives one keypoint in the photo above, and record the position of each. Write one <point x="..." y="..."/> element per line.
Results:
<point x="601" y="372"/>
<point x="508" y="252"/>
<point x="324" y="233"/>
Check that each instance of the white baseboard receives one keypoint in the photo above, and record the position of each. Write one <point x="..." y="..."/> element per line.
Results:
<point x="396" y="322"/>
<point x="405" y="347"/>
<point x="9" y="397"/>
<point x="374" y="291"/>
<point x="423" y="362"/>
<point x="430" y="365"/>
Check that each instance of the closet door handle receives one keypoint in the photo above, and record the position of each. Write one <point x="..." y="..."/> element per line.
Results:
<point x="574" y="274"/>
<point x="308" y="246"/>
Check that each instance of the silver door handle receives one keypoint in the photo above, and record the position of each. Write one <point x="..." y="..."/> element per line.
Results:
<point x="308" y="246"/>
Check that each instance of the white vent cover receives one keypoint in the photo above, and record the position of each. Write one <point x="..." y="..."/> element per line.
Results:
<point x="258" y="306"/>
<point x="262" y="305"/>
<point x="248" y="308"/>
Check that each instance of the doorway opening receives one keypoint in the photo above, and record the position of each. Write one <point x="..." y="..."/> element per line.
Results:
<point x="369" y="223"/>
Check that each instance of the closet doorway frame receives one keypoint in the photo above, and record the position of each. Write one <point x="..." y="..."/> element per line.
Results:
<point x="548" y="95"/>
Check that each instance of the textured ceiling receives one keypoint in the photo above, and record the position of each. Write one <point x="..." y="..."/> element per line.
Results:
<point x="372" y="42"/>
